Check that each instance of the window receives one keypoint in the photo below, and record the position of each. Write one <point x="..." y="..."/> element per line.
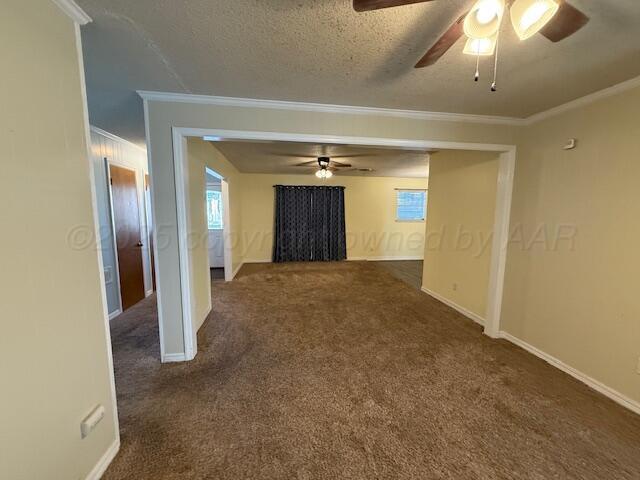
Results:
<point x="214" y="209"/>
<point x="411" y="205"/>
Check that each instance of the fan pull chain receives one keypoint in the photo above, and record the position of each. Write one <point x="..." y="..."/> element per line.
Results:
<point x="494" y="85"/>
<point x="477" y="75"/>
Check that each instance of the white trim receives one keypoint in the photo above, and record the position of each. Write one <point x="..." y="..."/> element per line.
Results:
<point x="503" y="199"/>
<point x="408" y="144"/>
<point x="154" y="231"/>
<point x="349" y="259"/>
<point x="116" y="138"/>
<point x="583" y="101"/>
<point x="600" y="387"/>
<point x="226" y="228"/>
<point x="257" y="260"/>
<point x="180" y="159"/>
<point x="148" y="293"/>
<point x="389" y="258"/>
<point x="174" y="357"/>
<point x="74" y="12"/>
<point x="498" y="262"/>
<point x="108" y="457"/>
<point x="388" y="112"/>
<point x="467" y="313"/>
<point x="114" y="314"/>
<point x="235" y="272"/>
<point x="326" y="108"/>
<point x="98" y="470"/>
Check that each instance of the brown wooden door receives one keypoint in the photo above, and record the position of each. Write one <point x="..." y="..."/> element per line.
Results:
<point x="126" y="220"/>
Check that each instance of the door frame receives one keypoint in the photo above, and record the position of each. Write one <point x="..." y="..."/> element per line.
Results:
<point x="504" y="192"/>
<point x="226" y="240"/>
<point x="144" y="233"/>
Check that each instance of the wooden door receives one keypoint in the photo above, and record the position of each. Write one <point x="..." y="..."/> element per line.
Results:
<point x="126" y="220"/>
<point x="147" y="193"/>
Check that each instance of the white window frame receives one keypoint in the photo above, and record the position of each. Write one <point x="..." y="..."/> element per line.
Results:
<point x="424" y="213"/>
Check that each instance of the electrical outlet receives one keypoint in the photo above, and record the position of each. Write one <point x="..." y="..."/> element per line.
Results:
<point x="455" y="287"/>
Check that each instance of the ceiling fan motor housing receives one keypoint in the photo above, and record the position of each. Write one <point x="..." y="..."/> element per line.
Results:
<point x="324" y="162"/>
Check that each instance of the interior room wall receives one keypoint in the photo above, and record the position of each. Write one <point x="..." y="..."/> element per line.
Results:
<point x="162" y="116"/>
<point x="370" y="216"/>
<point x="571" y="285"/>
<point x="202" y="154"/>
<point x="54" y="347"/>
<point x="462" y="201"/>
<point x="124" y="154"/>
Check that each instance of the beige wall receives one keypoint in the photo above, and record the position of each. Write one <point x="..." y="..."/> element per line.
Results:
<point x="198" y="154"/>
<point x="202" y="154"/>
<point x="577" y="299"/>
<point x="372" y="230"/>
<point x="53" y="348"/>
<point x="462" y="200"/>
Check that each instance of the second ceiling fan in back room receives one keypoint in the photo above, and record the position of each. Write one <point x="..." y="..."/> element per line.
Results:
<point x="555" y="19"/>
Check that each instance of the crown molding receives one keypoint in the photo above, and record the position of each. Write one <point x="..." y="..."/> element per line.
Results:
<point x="116" y="138"/>
<point x="74" y="12"/>
<point x="326" y="108"/>
<point x="388" y="112"/>
<point x="583" y="101"/>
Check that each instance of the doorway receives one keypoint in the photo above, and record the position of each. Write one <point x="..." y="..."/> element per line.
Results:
<point x="128" y="237"/>
<point x="215" y="224"/>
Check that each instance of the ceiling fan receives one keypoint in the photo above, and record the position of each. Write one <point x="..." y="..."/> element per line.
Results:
<point x="327" y="164"/>
<point x="555" y="19"/>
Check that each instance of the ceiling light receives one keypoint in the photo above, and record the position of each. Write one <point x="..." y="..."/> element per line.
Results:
<point x="480" y="46"/>
<point x="529" y="16"/>
<point x="484" y="19"/>
<point x="324" y="173"/>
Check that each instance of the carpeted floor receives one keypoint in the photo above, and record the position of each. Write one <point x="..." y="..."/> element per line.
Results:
<point x="342" y="371"/>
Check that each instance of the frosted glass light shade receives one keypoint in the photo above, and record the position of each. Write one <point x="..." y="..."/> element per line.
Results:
<point x="483" y="21"/>
<point x="529" y="16"/>
<point x="480" y="46"/>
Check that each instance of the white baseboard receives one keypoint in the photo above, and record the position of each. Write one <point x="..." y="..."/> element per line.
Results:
<point x="114" y="314"/>
<point x="258" y="260"/>
<point x="235" y="272"/>
<point x="98" y="470"/>
<point x="467" y="313"/>
<point x="586" y="379"/>
<point x="391" y="258"/>
<point x="148" y="293"/>
<point x="174" y="357"/>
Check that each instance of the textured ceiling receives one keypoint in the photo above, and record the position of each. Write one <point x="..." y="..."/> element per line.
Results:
<point x="322" y="51"/>
<point x="282" y="158"/>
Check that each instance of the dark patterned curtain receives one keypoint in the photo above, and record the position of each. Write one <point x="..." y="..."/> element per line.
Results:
<point x="309" y="224"/>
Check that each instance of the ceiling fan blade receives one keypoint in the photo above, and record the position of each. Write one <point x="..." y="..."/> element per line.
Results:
<point x="567" y="21"/>
<point x="291" y="155"/>
<point x="367" y="5"/>
<point x="354" y="155"/>
<point x="340" y="164"/>
<point x="307" y="164"/>
<point x="444" y="43"/>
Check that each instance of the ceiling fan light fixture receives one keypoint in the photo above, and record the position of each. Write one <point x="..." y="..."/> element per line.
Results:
<point x="480" y="46"/>
<point x="529" y="16"/>
<point x="323" y="173"/>
<point x="483" y="21"/>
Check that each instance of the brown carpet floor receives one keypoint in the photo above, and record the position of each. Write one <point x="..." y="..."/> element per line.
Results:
<point x="342" y="371"/>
